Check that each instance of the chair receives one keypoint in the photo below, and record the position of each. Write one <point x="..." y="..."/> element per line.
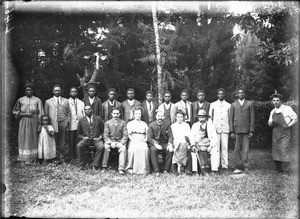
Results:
<point x="90" y="152"/>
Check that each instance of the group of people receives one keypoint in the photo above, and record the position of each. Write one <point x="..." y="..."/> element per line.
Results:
<point x="184" y="134"/>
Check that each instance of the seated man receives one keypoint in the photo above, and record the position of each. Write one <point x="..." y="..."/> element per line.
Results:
<point x="90" y="129"/>
<point x="160" y="138"/>
<point x="115" y="136"/>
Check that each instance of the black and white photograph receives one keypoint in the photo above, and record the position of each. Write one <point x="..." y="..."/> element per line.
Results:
<point x="150" y="109"/>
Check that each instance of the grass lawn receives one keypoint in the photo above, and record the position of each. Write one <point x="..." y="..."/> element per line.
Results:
<point x="62" y="191"/>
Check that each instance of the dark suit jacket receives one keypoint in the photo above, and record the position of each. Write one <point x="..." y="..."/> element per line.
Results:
<point x="83" y="127"/>
<point x="127" y="108"/>
<point x="105" y="113"/>
<point x="196" y="108"/>
<point x="242" y="118"/>
<point x="96" y="106"/>
<point x="154" y="133"/>
<point x="114" y="132"/>
<point x="145" y="115"/>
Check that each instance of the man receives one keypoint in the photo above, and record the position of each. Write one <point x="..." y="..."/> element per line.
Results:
<point x="199" y="104"/>
<point x="185" y="106"/>
<point x="242" y="121"/>
<point x="58" y="110"/>
<point x="167" y="107"/>
<point x="219" y="112"/>
<point x="149" y="108"/>
<point x="76" y="113"/>
<point x="205" y="123"/>
<point x="115" y="136"/>
<point x="129" y="105"/>
<point x="90" y="132"/>
<point x="160" y="138"/>
<point x="111" y="103"/>
<point x="93" y="100"/>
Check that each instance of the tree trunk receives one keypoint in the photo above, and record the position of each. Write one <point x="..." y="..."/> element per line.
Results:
<point x="158" y="59"/>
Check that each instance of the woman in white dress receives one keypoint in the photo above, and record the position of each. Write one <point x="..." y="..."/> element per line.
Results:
<point x="181" y="133"/>
<point x="138" y="151"/>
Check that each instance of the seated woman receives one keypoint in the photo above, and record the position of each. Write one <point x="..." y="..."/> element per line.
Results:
<point x="138" y="151"/>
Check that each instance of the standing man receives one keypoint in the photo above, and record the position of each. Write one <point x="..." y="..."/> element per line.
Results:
<point x="115" y="136"/>
<point x="219" y="112"/>
<point x="111" y="103"/>
<point x="149" y="108"/>
<point x="242" y="122"/>
<point x="167" y="107"/>
<point x="90" y="132"/>
<point x="199" y="104"/>
<point x="185" y="106"/>
<point x="93" y="100"/>
<point x="58" y="110"/>
<point x="282" y="118"/>
<point x="129" y="105"/>
<point x="76" y="113"/>
<point x="160" y="138"/>
<point x="204" y="124"/>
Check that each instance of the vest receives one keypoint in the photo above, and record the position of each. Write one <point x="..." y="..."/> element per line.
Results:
<point x="60" y="113"/>
<point x="167" y="113"/>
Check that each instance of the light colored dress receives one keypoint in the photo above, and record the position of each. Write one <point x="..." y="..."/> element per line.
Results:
<point x="138" y="151"/>
<point x="181" y="134"/>
<point x="28" y="136"/>
<point x="46" y="144"/>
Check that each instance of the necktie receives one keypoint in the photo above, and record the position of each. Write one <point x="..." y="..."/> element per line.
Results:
<point x="75" y="106"/>
<point x="57" y="101"/>
<point x="186" y="111"/>
<point x="150" y="106"/>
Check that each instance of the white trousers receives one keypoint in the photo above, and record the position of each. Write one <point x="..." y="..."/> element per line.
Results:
<point x="221" y="151"/>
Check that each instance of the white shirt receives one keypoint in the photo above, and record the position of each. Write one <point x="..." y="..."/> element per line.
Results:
<point x="179" y="132"/>
<point x="90" y="120"/>
<point x="287" y="112"/>
<point x="91" y="100"/>
<point x="241" y="101"/>
<point x="148" y="106"/>
<point x="75" y="115"/>
<point x="130" y="102"/>
<point x="57" y="99"/>
<point x="200" y="104"/>
<point x="219" y="112"/>
<point x="167" y="105"/>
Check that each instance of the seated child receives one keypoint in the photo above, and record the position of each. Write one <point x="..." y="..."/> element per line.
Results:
<point x="46" y="141"/>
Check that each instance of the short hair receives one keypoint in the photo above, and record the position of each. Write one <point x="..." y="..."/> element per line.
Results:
<point x="167" y="92"/>
<point x="91" y="86"/>
<point x="149" y="92"/>
<point x="46" y="116"/>
<point x="28" y="84"/>
<point x="115" y="108"/>
<point x="277" y="96"/>
<point x="129" y="89"/>
<point x="88" y="106"/>
<point x="184" y="91"/>
<point x="200" y="91"/>
<point x="139" y="108"/>
<point x="241" y="88"/>
<point x="73" y="87"/>
<point x="221" y="89"/>
<point x="180" y="112"/>
<point x="112" y="90"/>
<point x="56" y="85"/>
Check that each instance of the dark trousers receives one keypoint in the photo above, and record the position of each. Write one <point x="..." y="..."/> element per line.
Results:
<point x="203" y="155"/>
<point x="188" y="167"/>
<point x="60" y="137"/>
<point x="81" y="148"/>
<point x="282" y="167"/>
<point x="73" y="144"/>
<point x="241" y="150"/>
<point x="167" y="157"/>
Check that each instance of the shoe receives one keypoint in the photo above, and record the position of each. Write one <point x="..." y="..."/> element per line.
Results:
<point x="121" y="172"/>
<point x="165" y="172"/>
<point x="104" y="169"/>
<point x="214" y="173"/>
<point x="246" y="170"/>
<point x="188" y="173"/>
<point x="237" y="171"/>
<point x="129" y="171"/>
<point x="94" y="168"/>
<point x="157" y="174"/>
<point x="81" y="168"/>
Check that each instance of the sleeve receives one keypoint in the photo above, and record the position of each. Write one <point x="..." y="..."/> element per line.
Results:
<point x="101" y="127"/>
<point x="211" y="111"/>
<point x="170" y="135"/>
<point x="271" y="116"/>
<point x="40" y="108"/>
<point x="106" y="133"/>
<point x="79" y="130"/>
<point x="173" y="112"/>
<point x="47" y="108"/>
<point x="17" y="108"/>
<point x="291" y="113"/>
<point x="150" y="136"/>
<point x="100" y="107"/>
<point x="252" y="117"/>
<point x="192" y="135"/>
<point x="125" y="135"/>
<point x="146" y="131"/>
<point x="129" y="130"/>
<point x="102" y="110"/>
<point x="231" y="118"/>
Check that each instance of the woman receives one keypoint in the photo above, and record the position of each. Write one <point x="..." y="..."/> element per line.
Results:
<point x="181" y="133"/>
<point x="29" y="110"/>
<point x="138" y="151"/>
<point x="281" y="118"/>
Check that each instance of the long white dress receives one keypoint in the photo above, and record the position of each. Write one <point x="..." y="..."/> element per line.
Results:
<point x="46" y="144"/>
